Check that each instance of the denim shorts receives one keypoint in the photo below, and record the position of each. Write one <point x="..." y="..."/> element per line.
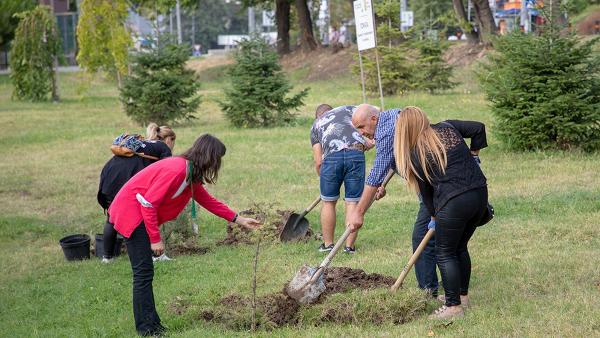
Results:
<point x="345" y="166"/>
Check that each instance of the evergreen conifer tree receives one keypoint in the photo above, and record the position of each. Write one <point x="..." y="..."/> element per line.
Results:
<point x="161" y="89"/>
<point x="544" y="90"/>
<point x="258" y="93"/>
<point x="433" y="73"/>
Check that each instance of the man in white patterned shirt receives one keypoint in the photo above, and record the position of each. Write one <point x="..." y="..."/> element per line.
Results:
<point x="338" y="151"/>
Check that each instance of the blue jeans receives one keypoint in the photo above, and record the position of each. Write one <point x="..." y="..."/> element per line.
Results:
<point x="345" y="166"/>
<point x="425" y="265"/>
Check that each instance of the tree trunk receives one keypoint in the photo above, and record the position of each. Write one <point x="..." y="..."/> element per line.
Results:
<point x="465" y="25"/>
<point x="307" y="38"/>
<point x="555" y="13"/>
<point x="487" y="25"/>
<point x="282" y="21"/>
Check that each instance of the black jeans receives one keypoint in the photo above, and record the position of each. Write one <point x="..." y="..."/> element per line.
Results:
<point x="456" y="223"/>
<point x="425" y="264"/>
<point x="146" y="318"/>
<point x="109" y="237"/>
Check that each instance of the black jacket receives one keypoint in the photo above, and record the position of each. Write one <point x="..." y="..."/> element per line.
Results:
<point x="462" y="171"/>
<point x="118" y="170"/>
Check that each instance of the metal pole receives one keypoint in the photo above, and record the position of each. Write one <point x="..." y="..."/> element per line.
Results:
<point x="251" y="24"/>
<point x="403" y="8"/>
<point x="362" y="77"/>
<point x="379" y="78"/>
<point x="377" y="62"/>
<point x="178" y="14"/>
<point x="193" y="27"/>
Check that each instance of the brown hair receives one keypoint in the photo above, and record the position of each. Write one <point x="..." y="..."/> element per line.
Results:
<point x="322" y="109"/>
<point x="205" y="155"/>
<point x="154" y="132"/>
<point x="414" y="135"/>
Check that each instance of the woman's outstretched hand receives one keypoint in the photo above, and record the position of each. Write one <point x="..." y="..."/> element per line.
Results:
<point x="249" y="223"/>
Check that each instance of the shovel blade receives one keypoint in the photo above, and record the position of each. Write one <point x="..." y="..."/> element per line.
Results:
<point x="300" y="288"/>
<point x="295" y="228"/>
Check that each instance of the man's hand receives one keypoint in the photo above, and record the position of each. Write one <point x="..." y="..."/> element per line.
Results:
<point x="158" y="248"/>
<point x="369" y="144"/>
<point x="355" y="221"/>
<point x="318" y="168"/>
<point x="380" y="193"/>
<point x="248" y="223"/>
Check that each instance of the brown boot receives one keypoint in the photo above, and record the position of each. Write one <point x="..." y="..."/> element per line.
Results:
<point x="464" y="300"/>
<point x="447" y="312"/>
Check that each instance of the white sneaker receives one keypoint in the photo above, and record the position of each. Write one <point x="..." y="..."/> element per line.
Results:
<point x="160" y="258"/>
<point x="107" y="260"/>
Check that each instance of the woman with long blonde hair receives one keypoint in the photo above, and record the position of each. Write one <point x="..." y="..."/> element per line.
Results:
<point x="437" y="163"/>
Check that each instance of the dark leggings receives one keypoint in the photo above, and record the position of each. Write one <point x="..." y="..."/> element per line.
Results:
<point x="456" y="223"/>
<point x="147" y="322"/>
<point x="109" y="237"/>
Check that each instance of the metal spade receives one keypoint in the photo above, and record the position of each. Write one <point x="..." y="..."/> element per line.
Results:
<point x="297" y="225"/>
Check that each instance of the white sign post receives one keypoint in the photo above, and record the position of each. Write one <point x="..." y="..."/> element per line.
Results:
<point x="406" y="20"/>
<point x="366" y="38"/>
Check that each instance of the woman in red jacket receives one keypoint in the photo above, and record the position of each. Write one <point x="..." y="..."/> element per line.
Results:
<point x="156" y="195"/>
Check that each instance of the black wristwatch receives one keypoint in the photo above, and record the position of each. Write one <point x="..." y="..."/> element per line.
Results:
<point x="234" y="218"/>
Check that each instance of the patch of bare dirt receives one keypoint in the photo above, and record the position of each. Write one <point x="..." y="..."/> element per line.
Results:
<point x="272" y="221"/>
<point x="278" y="309"/>
<point x="464" y="54"/>
<point x="199" y="65"/>
<point x="342" y="279"/>
<point x="320" y="64"/>
<point x="180" y="250"/>
<point x="587" y="25"/>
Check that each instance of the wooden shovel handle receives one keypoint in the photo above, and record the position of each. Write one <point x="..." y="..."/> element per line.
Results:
<point x="330" y="256"/>
<point x="412" y="260"/>
<point x="312" y="205"/>
<point x="388" y="177"/>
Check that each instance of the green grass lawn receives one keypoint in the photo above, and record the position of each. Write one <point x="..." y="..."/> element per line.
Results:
<point x="535" y="267"/>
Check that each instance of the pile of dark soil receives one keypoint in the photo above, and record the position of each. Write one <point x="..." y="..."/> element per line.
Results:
<point x="272" y="221"/>
<point x="180" y="250"/>
<point x="363" y="304"/>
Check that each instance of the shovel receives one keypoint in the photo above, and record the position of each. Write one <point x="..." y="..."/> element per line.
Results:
<point x="307" y="285"/>
<point x="412" y="260"/>
<point x="296" y="225"/>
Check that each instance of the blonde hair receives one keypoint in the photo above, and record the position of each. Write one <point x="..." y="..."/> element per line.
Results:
<point x="154" y="132"/>
<point x="414" y="135"/>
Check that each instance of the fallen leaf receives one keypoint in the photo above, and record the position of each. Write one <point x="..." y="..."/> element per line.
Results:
<point x="430" y="333"/>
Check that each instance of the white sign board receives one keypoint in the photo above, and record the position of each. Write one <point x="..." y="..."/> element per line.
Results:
<point x="365" y="28"/>
<point x="406" y="19"/>
<point x="267" y="18"/>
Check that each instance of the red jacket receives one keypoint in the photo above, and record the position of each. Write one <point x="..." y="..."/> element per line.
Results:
<point x="157" y="195"/>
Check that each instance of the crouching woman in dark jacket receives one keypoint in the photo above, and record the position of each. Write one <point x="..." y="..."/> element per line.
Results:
<point x="436" y="162"/>
<point x="118" y="170"/>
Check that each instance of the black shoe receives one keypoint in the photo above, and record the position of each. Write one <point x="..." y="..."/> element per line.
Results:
<point x="324" y="248"/>
<point x="349" y="250"/>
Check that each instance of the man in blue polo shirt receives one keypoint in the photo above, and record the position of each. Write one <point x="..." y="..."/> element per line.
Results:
<point x="338" y="151"/>
<point x="380" y="127"/>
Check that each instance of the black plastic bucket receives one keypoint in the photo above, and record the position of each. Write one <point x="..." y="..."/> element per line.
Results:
<point x="76" y="247"/>
<point x="99" y="246"/>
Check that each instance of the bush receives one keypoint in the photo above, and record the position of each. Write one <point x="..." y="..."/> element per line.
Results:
<point x="544" y="90"/>
<point x="33" y="55"/>
<point x="257" y="96"/>
<point x="433" y="73"/>
<point x="160" y="88"/>
<point x="397" y="72"/>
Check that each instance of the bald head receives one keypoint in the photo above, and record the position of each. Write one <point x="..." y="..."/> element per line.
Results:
<point x="364" y="119"/>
